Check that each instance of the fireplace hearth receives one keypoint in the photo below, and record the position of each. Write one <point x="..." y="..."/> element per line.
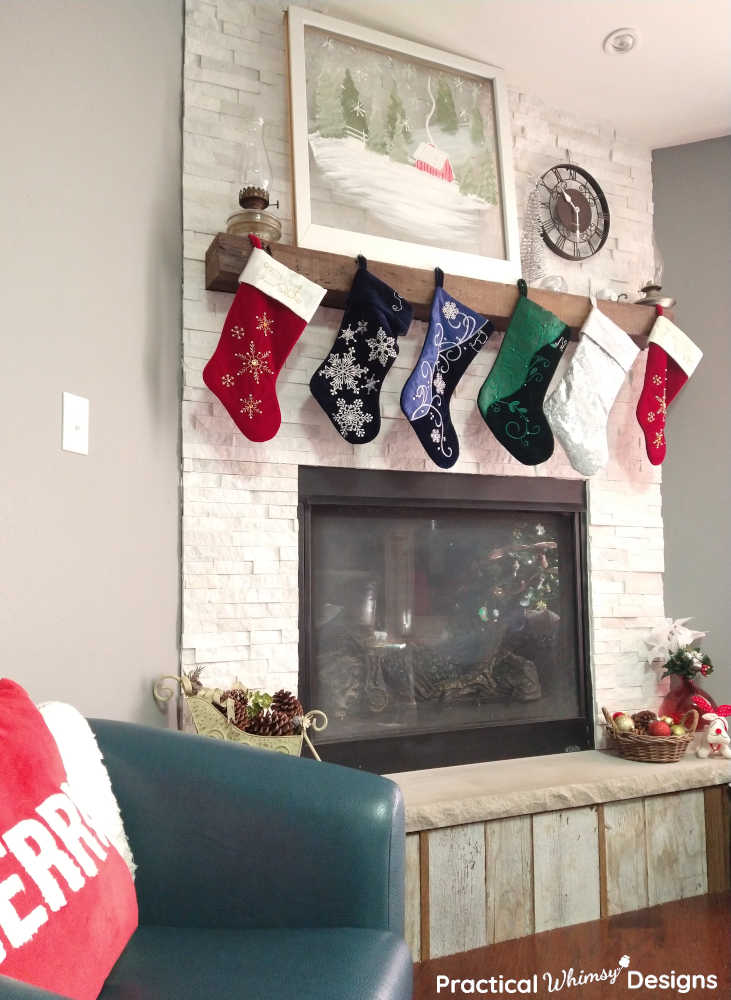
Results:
<point x="443" y="617"/>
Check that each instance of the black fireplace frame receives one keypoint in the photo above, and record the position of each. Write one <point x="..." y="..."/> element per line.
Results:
<point x="429" y="491"/>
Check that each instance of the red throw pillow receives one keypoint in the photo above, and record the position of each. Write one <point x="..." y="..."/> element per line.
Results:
<point x="67" y="900"/>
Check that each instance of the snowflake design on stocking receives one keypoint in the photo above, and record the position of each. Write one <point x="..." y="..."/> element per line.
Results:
<point x="250" y="406"/>
<point x="436" y="436"/>
<point x="439" y="384"/>
<point x="348" y="334"/>
<point x="238" y="332"/>
<point x="350" y="418"/>
<point x="450" y="310"/>
<point x="342" y="372"/>
<point x="651" y="416"/>
<point x="371" y="385"/>
<point x="656" y="380"/>
<point x="658" y="439"/>
<point x="227" y="380"/>
<point x="661" y="403"/>
<point x="361" y="326"/>
<point x="381" y="347"/>
<point x="254" y="363"/>
<point x="265" y="324"/>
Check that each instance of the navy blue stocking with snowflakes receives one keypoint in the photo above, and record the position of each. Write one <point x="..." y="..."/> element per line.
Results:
<point x="347" y="385"/>
<point x="453" y="340"/>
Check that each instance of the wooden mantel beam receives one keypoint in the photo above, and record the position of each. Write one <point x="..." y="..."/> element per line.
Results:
<point x="227" y="255"/>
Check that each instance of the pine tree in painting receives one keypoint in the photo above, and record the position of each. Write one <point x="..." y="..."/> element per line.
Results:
<point x="477" y="176"/>
<point x="446" y="113"/>
<point x="477" y="127"/>
<point x="396" y="116"/>
<point x="353" y="108"/>
<point x="398" y="148"/>
<point x="377" y="139"/>
<point x="330" y="119"/>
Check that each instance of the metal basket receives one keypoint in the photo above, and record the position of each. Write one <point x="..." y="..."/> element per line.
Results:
<point x="208" y="721"/>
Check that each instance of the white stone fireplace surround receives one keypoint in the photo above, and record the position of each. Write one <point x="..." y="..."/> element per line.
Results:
<point x="239" y="533"/>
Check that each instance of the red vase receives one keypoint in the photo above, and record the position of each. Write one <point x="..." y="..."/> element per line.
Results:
<point x="679" y="698"/>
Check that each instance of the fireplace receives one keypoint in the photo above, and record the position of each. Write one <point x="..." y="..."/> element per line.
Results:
<point x="443" y="617"/>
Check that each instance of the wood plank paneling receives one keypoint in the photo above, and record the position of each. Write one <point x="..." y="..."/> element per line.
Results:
<point x="509" y="878"/>
<point x="565" y="867"/>
<point x="718" y="837"/>
<point x="425" y="934"/>
<point x="412" y="924"/>
<point x="456" y="889"/>
<point x="675" y="834"/>
<point x="624" y="854"/>
<point x="227" y="256"/>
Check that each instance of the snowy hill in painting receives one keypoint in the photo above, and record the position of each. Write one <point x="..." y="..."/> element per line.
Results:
<point x="395" y="195"/>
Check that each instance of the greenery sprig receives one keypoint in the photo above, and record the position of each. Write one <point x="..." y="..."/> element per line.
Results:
<point x="688" y="661"/>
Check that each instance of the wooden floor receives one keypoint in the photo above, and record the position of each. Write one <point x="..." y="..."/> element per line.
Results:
<point x="689" y="936"/>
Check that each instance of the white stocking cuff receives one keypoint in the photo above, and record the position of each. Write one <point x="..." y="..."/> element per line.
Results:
<point x="280" y="282"/>
<point x="610" y="337"/>
<point x="677" y="344"/>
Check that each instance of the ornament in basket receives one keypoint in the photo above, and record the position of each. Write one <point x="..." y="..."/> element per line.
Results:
<point x="245" y="715"/>
<point x="639" y="743"/>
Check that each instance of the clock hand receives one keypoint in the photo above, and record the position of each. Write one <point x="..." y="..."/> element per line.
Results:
<point x="567" y="197"/>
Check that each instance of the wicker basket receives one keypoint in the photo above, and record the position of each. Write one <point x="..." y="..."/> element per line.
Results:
<point x="208" y="721"/>
<point x="651" y="749"/>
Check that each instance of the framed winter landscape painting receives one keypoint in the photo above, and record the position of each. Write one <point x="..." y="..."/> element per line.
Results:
<point x="401" y="152"/>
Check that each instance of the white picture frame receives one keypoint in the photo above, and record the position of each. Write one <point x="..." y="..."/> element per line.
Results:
<point x="503" y="266"/>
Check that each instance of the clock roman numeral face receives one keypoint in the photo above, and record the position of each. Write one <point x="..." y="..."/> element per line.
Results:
<point x="574" y="215"/>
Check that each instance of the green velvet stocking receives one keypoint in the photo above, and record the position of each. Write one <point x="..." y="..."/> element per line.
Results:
<point x="531" y="328"/>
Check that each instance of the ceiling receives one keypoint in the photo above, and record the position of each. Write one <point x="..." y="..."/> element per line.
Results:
<point x="672" y="89"/>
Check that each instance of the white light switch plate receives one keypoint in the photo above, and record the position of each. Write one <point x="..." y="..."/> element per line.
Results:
<point x="75" y="436"/>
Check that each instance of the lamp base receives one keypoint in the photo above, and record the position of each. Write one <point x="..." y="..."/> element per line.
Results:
<point x="651" y="297"/>
<point x="252" y="220"/>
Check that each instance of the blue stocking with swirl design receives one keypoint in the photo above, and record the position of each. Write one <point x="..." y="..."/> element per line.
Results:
<point x="453" y="340"/>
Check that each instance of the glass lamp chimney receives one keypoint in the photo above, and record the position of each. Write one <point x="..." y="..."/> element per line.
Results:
<point x="256" y="170"/>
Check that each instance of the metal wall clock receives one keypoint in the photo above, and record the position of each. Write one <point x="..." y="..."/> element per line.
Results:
<point x="574" y="214"/>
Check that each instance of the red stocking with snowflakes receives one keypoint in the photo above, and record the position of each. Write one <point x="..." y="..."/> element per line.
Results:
<point x="270" y="310"/>
<point x="672" y="357"/>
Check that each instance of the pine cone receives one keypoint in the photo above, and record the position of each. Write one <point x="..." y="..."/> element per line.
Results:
<point x="642" y="720"/>
<point x="286" y="702"/>
<point x="270" y="723"/>
<point x="240" y="704"/>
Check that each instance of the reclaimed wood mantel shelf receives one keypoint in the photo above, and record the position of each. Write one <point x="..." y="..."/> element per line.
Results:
<point x="227" y="256"/>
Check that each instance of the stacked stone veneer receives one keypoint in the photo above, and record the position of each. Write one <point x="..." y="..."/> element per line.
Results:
<point x="239" y="535"/>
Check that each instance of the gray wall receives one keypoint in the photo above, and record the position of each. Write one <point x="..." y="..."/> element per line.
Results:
<point x="691" y="186"/>
<point x="90" y="274"/>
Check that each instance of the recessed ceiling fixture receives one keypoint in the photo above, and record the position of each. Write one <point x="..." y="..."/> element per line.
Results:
<point x="621" y="41"/>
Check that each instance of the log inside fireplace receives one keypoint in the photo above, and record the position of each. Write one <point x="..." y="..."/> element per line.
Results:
<point x="443" y="619"/>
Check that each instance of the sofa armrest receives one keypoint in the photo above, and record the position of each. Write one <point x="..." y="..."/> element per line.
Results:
<point x="12" y="989"/>
<point x="228" y="836"/>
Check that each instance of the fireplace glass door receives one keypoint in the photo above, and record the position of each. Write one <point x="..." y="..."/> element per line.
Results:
<point x="439" y="625"/>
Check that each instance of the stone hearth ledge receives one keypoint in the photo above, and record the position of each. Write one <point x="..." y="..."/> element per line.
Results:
<point x="473" y="793"/>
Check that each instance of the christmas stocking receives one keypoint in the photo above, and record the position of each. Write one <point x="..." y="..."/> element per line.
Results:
<point x="271" y="308"/>
<point x="578" y="408"/>
<point x="453" y="340"/>
<point x="347" y="385"/>
<point x="511" y="397"/>
<point x="672" y="357"/>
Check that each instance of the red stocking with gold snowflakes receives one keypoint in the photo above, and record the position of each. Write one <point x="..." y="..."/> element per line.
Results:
<point x="270" y="310"/>
<point x="672" y="357"/>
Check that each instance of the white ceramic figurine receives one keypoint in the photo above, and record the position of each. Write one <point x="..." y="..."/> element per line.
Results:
<point x="715" y="737"/>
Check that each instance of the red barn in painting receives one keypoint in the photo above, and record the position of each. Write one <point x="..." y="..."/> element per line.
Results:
<point x="433" y="161"/>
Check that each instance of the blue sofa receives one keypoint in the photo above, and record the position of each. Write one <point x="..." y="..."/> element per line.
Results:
<point x="259" y="875"/>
